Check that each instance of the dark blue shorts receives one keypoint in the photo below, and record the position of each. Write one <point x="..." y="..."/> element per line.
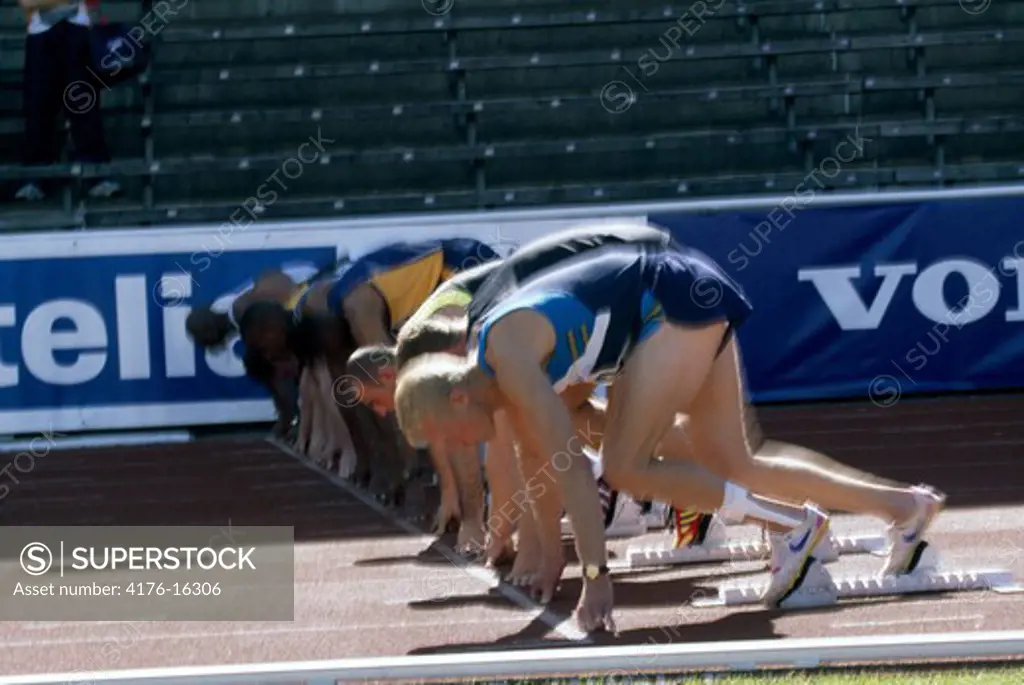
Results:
<point x="687" y="288"/>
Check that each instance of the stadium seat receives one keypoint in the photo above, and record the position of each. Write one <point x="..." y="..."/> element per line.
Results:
<point x="505" y="104"/>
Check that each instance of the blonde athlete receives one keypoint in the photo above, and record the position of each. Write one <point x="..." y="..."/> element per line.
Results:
<point x="632" y="315"/>
<point x="374" y="368"/>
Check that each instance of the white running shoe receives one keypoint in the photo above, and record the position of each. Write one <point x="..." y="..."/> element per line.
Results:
<point x="627" y="520"/>
<point x="906" y="541"/>
<point x="792" y="555"/>
<point x="656" y="514"/>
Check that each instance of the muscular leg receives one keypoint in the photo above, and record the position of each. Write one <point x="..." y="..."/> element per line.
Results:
<point x="349" y="458"/>
<point x="307" y="391"/>
<point x="677" y="446"/>
<point x="319" y="435"/>
<point x="410" y="485"/>
<point x="331" y="425"/>
<point x="718" y="432"/>
<point x="665" y="374"/>
<point x="388" y="464"/>
<point x="359" y="420"/>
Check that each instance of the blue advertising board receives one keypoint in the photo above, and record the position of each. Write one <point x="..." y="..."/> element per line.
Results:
<point x="873" y="301"/>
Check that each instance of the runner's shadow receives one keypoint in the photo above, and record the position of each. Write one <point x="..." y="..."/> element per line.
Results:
<point x="740" y="626"/>
<point x="535" y="635"/>
<point x="492" y="599"/>
<point x="428" y="556"/>
<point x="658" y="594"/>
<point x="676" y="595"/>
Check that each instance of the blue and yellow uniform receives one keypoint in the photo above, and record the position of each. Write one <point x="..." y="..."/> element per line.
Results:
<point x="297" y="302"/>
<point x="405" y="274"/>
<point x="603" y="304"/>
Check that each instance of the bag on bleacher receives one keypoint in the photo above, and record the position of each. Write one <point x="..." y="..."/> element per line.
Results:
<point x="117" y="55"/>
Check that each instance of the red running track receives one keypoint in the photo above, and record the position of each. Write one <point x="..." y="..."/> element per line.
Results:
<point x="366" y="587"/>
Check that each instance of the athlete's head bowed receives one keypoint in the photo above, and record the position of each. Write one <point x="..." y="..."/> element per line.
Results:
<point x="209" y="329"/>
<point x="445" y="398"/>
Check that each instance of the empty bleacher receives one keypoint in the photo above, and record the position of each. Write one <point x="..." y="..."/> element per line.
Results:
<point x="475" y="104"/>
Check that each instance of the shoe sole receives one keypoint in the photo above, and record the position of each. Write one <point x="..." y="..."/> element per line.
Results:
<point x="805" y="566"/>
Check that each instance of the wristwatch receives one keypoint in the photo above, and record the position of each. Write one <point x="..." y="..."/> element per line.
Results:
<point x="593" y="572"/>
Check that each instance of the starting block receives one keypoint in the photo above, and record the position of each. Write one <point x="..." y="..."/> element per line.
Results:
<point x="628" y="528"/>
<point x="629" y="520"/>
<point x="821" y="589"/>
<point x="717" y="550"/>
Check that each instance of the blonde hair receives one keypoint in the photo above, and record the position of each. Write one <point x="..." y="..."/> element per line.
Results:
<point x="423" y="388"/>
<point x="428" y="336"/>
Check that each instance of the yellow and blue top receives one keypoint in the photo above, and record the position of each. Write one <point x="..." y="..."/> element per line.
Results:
<point x="405" y="274"/>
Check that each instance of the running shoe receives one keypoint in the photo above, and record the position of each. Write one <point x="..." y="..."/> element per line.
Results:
<point x="690" y="527"/>
<point x="792" y="555"/>
<point x="906" y="541"/>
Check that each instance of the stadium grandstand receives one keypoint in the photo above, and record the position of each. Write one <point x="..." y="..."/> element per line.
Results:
<point x="482" y="105"/>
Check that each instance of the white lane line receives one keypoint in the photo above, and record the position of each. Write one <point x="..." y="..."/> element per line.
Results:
<point x="564" y="626"/>
<point x="974" y="618"/>
<point x="38" y="640"/>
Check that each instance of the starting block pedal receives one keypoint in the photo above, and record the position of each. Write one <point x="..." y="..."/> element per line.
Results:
<point x="819" y="588"/>
<point x="749" y="550"/>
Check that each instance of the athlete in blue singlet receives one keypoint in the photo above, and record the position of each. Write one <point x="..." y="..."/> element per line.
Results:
<point x="660" y="325"/>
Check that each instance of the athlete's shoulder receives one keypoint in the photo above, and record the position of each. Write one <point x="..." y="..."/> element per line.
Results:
<point x="400" y="251"/>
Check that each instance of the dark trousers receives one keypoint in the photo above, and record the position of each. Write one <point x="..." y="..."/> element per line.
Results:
<point x="57" y="77"/>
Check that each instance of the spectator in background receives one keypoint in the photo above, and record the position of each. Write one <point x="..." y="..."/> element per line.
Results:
<point x="57" y="63"/>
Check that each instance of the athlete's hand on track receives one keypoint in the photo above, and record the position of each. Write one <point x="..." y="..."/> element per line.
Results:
<point x="448" y="512"/>
<point x="545" y="582"/>
<point x="596" y="605"/>
<point x="498" y="551"/>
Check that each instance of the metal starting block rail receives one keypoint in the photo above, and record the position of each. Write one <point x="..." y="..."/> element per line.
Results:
<point x="751" y="550"/>
<point x="820" y="589"/>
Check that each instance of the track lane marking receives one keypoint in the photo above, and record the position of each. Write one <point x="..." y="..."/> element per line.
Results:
<point x="564" y="626"/>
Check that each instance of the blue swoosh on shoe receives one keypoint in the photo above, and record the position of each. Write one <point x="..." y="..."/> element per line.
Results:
<point x="796" y="547"/>
<point x="910" y="537"/>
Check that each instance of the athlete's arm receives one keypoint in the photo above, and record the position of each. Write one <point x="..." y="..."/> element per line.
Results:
<point x="281" y="389"/>
<point x="546" y="501"/>
<point x="450" y="494"/>
<point x="514" y="351"/>
<point x="510" y="496"/>
<point x="307" y="412"/>
<point x="335" y="428"/>
<point x="285" y="401"/>
<point x="367" y="315"/>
